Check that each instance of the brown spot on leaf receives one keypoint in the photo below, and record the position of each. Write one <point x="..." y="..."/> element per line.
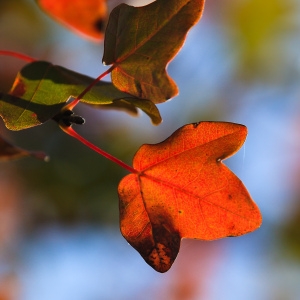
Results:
<point x="166" y="248"/>
<point x="139" y="88"/>
<point x="159" y="258"/>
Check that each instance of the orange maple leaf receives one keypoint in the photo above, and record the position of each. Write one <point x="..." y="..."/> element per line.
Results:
<point x="183" y="190"/>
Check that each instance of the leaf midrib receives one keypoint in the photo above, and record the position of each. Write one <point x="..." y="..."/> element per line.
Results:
<point x="184" y="191"/>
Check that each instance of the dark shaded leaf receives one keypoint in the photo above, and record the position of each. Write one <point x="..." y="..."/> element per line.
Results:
<point x="141" y="41"/>
<point x="11" y="152"/>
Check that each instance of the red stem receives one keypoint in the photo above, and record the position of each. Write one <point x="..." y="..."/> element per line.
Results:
<point x="17" y="55"/>
<point x="71" y="105"/>
<point x="71" y="132"/>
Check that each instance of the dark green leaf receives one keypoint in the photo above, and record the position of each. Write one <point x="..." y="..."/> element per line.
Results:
<point x="141" y="41"/>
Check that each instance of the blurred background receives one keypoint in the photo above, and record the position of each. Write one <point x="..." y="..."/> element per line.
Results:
<point x="59" y="235"/>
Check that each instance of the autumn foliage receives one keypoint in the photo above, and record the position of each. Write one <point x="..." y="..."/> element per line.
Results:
<point x="178" y="188"/>
<point x="183" y="190"/>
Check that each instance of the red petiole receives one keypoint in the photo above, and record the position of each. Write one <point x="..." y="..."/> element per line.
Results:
<point x="71" y="105"/>
<point x="69" y="130"/>
<point x="17" y="55"/>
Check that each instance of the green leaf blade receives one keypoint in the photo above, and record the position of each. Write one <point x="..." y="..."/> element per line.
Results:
<point x="41" y="90"/>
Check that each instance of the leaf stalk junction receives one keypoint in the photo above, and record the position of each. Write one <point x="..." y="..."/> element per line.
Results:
<point x="70" y="131"/>
<point x="66" y="118"/>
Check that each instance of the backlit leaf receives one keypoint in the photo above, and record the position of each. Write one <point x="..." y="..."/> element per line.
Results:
<point x="183" y="190"/>
<point x="141" y="41"/>
<point x="86" y="17"/>
<point x="41" y="90"/>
